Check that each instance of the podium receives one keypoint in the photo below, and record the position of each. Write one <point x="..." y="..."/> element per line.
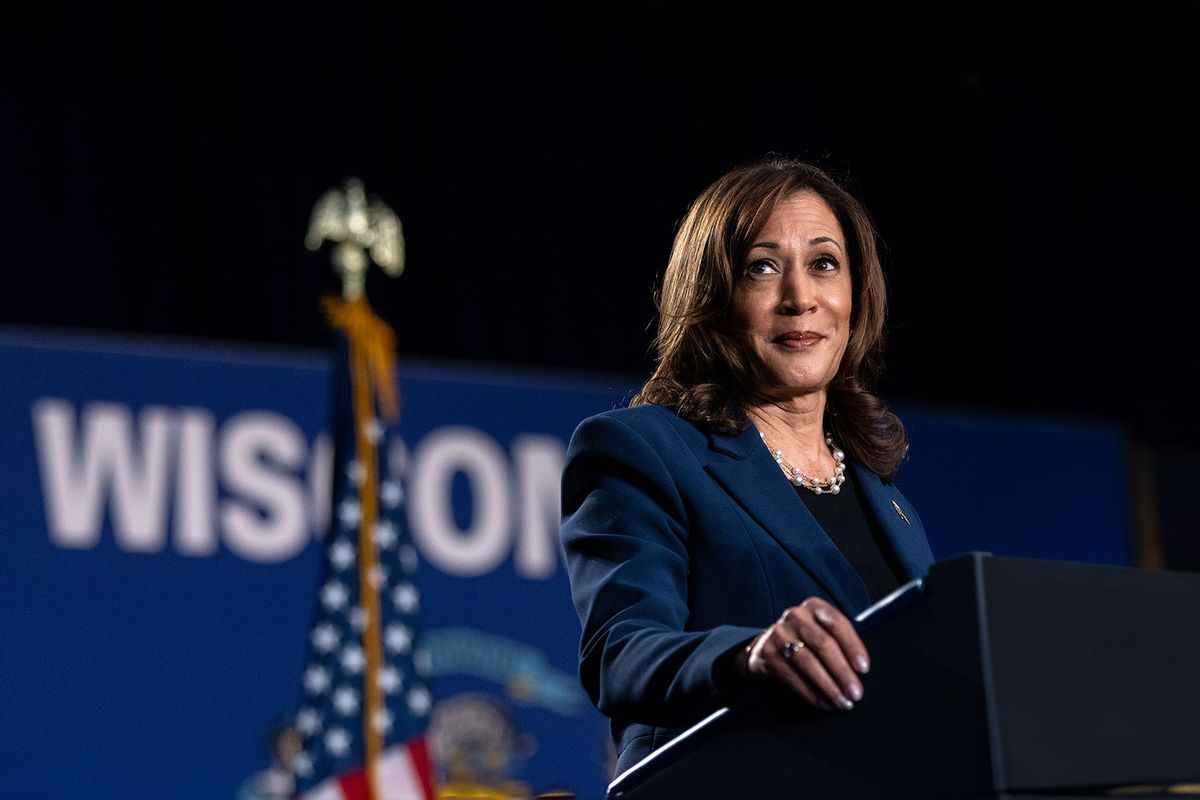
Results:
<point x="991" y="678"/>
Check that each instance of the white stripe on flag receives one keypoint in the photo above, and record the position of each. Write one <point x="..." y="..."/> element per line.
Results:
<point x="398" y="777"/>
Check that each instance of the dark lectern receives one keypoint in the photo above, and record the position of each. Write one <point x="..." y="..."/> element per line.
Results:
<point x="991" y="677"/>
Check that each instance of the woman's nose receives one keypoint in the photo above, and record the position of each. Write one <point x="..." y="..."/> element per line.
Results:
<point x="796" y="294"/>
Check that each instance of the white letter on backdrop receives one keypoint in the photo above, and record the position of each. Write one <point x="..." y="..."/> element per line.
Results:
<point x="320" y="484"/>
<point x="76" y="478"/>
<point x="261" y="452"/>
<point x="485" y="542"/>
<point x="196" y="484"/>
<point x="539" y="464"/>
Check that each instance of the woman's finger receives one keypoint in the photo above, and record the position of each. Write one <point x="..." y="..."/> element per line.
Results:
<point x="841" y="628"/>
<point x="780" y="664"/>
<point x="810" y="662"/>
<point x="815" y="650"/>
<point x="818" y="625"/>
<point x="767" y="658"/>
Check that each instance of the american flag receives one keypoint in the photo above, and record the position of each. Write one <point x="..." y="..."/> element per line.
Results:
<point x="366" y="701"/>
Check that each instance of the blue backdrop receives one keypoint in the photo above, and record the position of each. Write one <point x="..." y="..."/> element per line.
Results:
<point x="159" y="550"/>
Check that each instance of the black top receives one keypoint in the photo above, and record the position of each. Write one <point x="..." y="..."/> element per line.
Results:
<point x="858" y="535"/>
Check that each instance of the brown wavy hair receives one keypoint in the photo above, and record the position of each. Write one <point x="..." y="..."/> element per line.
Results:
<point x="702" y="366"/>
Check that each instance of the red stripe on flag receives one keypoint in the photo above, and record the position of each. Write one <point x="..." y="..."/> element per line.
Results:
<point x="418" y="754"/>
<point x="354" y="785"/>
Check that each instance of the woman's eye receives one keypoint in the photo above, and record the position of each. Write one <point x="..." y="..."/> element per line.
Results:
<point x="761" y="267"/>
<point x="826" y="264"/>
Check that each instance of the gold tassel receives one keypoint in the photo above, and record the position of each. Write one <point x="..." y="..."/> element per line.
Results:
<point x="374" y="338"/>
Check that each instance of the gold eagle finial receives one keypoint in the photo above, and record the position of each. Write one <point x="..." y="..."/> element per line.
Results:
<point x="358" y="225"/>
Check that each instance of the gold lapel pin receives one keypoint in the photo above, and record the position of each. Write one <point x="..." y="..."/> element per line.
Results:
<point x="901" y="513"/>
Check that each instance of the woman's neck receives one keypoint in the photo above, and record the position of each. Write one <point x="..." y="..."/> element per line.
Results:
<point x="795" y="427"/>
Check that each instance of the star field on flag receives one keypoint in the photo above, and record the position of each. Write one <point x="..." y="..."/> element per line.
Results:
<point x="364" y="686"/>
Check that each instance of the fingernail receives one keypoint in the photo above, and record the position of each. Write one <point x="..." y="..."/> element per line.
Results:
<point x="862" y="665"/>
<point x="845" y="703"/>
<point x="856" y="691"/>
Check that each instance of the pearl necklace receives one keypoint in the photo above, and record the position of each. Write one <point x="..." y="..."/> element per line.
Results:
<point x="830" y="485"/>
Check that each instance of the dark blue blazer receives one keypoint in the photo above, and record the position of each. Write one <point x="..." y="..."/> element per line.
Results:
<point x="683" y="543"/>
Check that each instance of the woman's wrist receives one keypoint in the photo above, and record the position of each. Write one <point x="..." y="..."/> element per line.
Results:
<point x="746" y="654"/>
<point x="743" y="660"/>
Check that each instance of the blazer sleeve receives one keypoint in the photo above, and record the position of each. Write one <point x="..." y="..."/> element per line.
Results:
<point x="625" y="537"/>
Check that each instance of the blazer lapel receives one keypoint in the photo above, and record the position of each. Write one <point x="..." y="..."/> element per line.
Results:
<point x="751" y="476"/>
<point x="900" y="524"/>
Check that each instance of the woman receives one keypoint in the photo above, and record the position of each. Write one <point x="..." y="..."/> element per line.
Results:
<point x="727" y="525"/>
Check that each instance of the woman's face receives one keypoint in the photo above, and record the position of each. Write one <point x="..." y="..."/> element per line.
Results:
<point x="793" y="298"/>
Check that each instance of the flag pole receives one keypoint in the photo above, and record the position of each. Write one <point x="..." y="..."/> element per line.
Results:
<point x="367" y="557"/>
<point x="358" y="228"/>
<point x="372" y="362"/>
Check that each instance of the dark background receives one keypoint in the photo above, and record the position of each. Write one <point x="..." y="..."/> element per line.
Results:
<point x="1031" y="167"/>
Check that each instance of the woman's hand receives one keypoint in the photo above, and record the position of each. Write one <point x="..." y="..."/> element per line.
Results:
<point x="814" y="649"/>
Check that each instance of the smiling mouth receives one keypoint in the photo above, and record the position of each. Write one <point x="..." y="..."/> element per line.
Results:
<point x="798" y="339"/>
